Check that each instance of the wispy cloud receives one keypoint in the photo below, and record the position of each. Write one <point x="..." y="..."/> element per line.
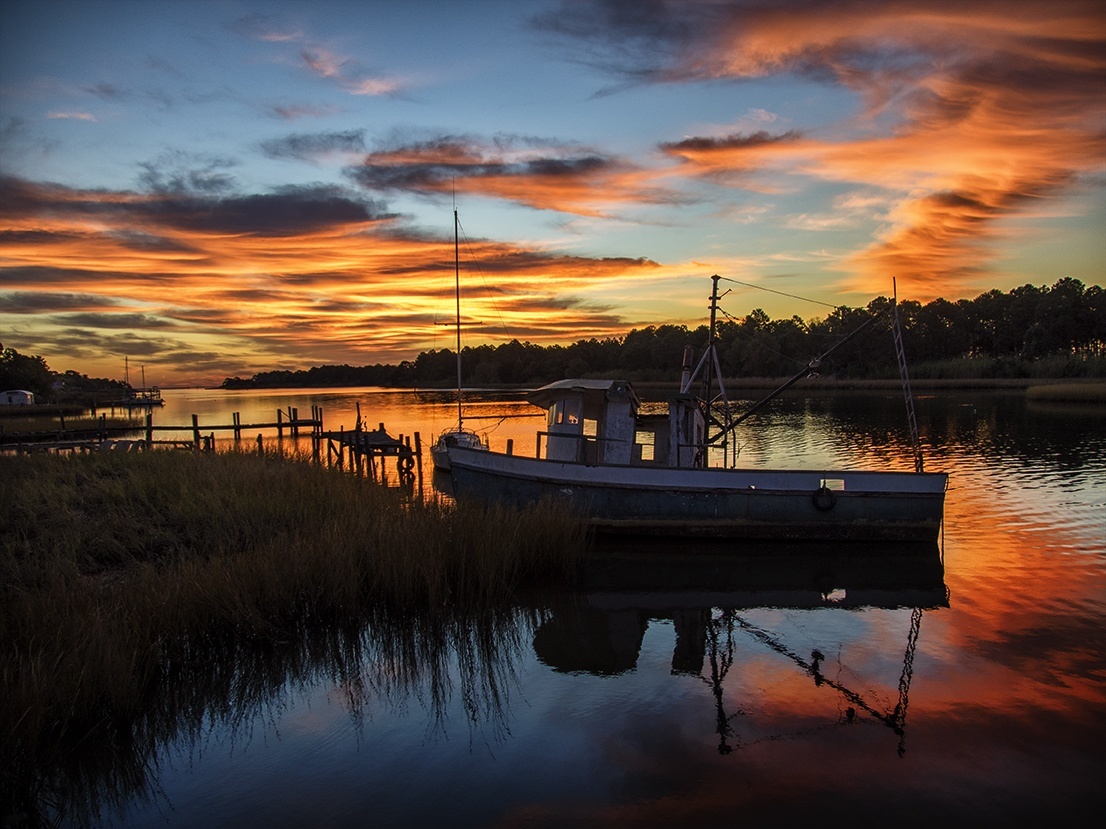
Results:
<point x="346" y="72"/>
<point x="987" y="109"/>
<point x="74" y="116"/>
<point x="316" y="146"/>
<point x="542" y="174"/>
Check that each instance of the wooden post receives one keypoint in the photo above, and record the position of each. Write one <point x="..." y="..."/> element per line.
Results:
<point x="358" y="447"/>
<point x="260" y="445"/>
<point x="237" y="419"/>
<point x="149" y="429"/>
<point x="510" y="446"/>
<point x="196" y="432"/>
<point x="280" y="428"/>
<point x="103" y="426"/>
<point x="295" y="422"/>
<point x="418" y="459"/>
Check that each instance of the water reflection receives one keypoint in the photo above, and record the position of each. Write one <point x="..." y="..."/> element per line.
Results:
<point x="599" y="629"/>
<point x="619" y="694"/>
<point x="221" y="689"/>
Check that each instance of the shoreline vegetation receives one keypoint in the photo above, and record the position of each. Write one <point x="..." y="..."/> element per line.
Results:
<point x="118" y="571"/>
<point x="125" y="578"/>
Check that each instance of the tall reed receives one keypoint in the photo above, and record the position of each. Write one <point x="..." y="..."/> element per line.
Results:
<point x="116" y="568"/>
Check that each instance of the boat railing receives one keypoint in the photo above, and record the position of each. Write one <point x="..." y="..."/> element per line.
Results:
<point x="586" y="441"/>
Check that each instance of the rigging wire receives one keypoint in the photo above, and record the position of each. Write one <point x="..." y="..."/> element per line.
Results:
<point x="752" y="339"/>
<point x="483" y="279"/>
<point x="774" y="291"/>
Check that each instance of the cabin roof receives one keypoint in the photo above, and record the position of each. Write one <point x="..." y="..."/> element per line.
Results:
<point x="592" y="391"/>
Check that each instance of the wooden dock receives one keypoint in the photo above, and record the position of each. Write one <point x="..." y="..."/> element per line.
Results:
<point x="362" y="451"/>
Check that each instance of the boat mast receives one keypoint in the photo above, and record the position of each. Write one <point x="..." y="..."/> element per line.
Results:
<point x="900" y="355"/>
<point x="457" y="285"/>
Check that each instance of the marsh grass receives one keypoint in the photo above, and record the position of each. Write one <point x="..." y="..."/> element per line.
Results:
<point x="43" y="426"/>
<point x="119" y="571"/>
<point x="1069" y="392"/>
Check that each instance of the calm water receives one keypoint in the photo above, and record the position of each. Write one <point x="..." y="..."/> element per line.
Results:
<point x="822" y="689"/>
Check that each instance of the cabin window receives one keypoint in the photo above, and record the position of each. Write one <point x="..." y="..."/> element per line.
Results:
<point x="565" y="411"/>
<point x="836" y="484"/>
<point x="644" y="442"/>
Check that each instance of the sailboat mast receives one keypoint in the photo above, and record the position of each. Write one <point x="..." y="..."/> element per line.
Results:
<point x="457" y="284"/>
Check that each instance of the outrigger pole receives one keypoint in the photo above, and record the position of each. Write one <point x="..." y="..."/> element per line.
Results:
<point x="709" y="361"/>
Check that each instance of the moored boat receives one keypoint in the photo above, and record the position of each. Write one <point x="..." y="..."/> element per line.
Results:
<point x="459" y="436"/>
<point x="648" y="474"/>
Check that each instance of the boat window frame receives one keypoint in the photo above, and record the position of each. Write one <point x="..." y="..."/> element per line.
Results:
<point x="566" y="411"/>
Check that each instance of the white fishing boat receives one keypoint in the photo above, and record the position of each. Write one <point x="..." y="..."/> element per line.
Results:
<point x="649" y="474"/>
<point x="458" y="437"/>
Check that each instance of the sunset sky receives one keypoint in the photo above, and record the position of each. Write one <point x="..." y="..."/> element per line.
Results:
<point x="218" y="188"/>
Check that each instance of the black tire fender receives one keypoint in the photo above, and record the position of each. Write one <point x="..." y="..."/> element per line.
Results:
<point x="823" y="499"/>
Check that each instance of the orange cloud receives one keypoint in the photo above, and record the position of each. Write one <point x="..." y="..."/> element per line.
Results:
<point x="298" y="278"/>
<point x="537" y="174"/>
<point x="980" y="112"/>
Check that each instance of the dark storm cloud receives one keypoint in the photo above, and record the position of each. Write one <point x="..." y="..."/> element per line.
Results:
<point x="311" y="146"/>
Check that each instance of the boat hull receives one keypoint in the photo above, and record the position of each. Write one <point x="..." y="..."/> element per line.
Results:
<point x="724" y="503"/>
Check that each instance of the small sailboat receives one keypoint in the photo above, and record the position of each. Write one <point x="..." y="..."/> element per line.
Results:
<point x="144" y="397"/>
<point x="460" y="436"/>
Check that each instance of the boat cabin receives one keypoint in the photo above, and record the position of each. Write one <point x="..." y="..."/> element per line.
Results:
<point x="598" y="422"/>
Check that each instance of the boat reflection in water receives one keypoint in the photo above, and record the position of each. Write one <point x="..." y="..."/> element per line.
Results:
<point x="465" y="670"/>
<point x="703" y="591"/>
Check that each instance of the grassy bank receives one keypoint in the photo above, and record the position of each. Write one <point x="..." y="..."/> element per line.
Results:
<point x="113" y="567"/>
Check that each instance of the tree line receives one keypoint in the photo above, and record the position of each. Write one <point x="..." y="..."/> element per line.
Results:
<point x="1027" y="332"/>
<point x="32" y="373"/>
<point x="1057" y="331"/>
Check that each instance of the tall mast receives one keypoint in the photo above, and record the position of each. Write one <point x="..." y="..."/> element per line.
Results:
<point x="457" y="283"/>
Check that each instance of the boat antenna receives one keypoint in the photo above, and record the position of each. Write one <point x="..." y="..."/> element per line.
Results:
<point x="712" y="371"/>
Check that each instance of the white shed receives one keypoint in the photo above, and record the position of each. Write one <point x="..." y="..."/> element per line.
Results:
<point x="17" y="397"/>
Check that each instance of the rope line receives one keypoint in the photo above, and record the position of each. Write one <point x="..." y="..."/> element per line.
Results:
<point x="774" y="291"/>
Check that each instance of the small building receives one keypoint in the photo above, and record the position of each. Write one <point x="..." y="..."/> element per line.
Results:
<point x="17" y="397"/>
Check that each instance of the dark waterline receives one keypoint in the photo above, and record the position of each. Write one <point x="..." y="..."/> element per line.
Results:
<point x="965" y="683"/>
